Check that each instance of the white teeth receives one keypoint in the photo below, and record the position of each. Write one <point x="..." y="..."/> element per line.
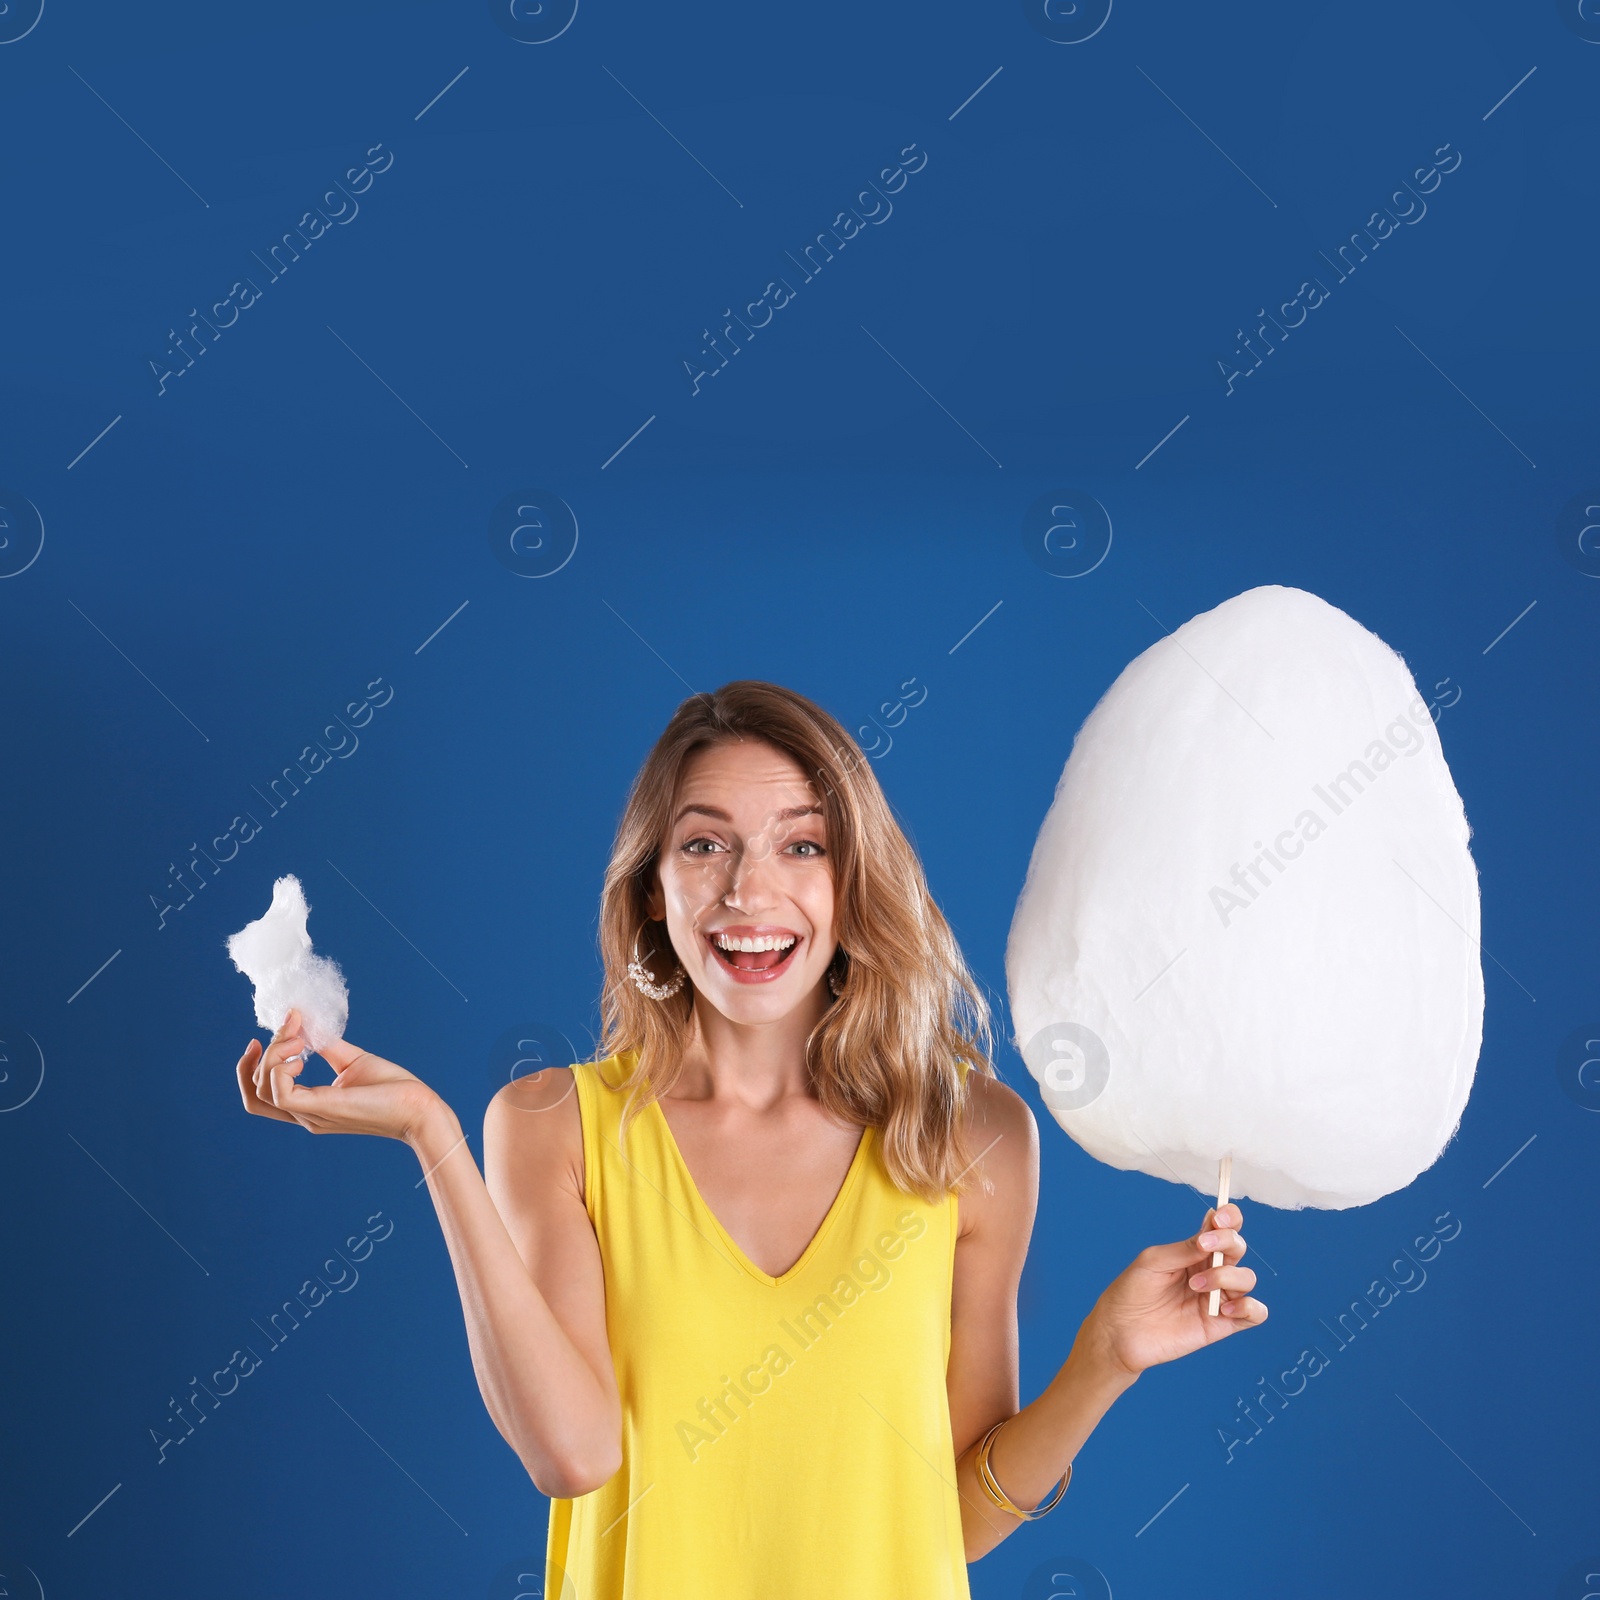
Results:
<point x="769" y="942"/>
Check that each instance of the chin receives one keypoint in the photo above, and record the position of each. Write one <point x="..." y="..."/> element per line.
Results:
<point x="764" y="1003"/>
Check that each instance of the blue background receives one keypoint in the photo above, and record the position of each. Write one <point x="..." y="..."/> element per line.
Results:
<point x="299" y="513"/>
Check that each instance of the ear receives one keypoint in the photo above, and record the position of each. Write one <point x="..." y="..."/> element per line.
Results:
<point x="655" y="901"/>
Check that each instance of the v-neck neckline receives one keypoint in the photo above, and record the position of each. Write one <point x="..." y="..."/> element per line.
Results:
<point x="852" y="1173"/>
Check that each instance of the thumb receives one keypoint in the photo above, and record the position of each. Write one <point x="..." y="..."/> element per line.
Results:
<point x="340" y="1054"/>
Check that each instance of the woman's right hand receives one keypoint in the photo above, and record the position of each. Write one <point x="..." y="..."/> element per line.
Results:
<point x="370" y="1095"/>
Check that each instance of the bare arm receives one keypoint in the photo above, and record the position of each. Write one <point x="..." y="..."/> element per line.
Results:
<point x="997" y="1214"/>
<point x="526" y="1260"/>
<point x="1153" y="1312"/>
<point x="528" y="1269"/>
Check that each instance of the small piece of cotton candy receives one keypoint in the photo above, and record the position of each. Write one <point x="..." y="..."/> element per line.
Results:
<point x="275" y="954"/>
<point x="1250" y="922"/>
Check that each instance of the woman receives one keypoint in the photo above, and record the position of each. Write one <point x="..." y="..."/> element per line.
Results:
<point x="741" y="1293"/>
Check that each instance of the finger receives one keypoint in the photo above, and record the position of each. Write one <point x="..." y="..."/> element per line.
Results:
<point x="313" y="1109"/>
<point x="287" y="1043"/>
<point x="280" y="1089"/>
<point x="1244" y="1312"/>
<point x="288" y="1032"/>
<point x="1183" y="1256"/>
<point x="277" y="1083"/>
<point x="288" y="1098"/>
<point x="289" y="1028"/>
<point x="1231" y="1244"/>
<point x="1228" y="1279"/>
<point x="249" y="1092"/>
<point x="278" y="1072"/>
<point x="266" y="1055"/>
<point x="245" y="1071"/>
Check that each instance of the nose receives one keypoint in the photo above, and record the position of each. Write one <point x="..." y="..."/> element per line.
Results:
<point x="749" y="887"/>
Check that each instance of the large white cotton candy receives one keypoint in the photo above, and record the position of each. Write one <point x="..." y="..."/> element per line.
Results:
<point x="274" y="953"/>
<point x="1250" y="922"/>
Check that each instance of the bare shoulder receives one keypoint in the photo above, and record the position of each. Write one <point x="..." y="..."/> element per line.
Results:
<point x="1003" y="1142"/>
<point x="996" y="1112"/>
<point x="533" y="1168"/>
<point x="533" y="1136"/>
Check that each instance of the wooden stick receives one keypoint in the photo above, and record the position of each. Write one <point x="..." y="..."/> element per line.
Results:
<point x="1224" y="1175"/>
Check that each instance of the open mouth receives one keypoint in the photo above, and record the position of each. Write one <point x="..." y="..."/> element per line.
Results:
<point x="763" y="956"/>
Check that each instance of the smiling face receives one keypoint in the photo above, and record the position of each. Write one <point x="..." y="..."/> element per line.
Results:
<point x="745" y="882"/>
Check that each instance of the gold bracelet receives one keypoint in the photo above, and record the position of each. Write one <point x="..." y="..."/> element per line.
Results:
<point x="992" y="1487"/>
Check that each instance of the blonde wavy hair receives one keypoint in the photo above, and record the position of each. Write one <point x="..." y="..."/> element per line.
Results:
<point x="886" y="1052"/>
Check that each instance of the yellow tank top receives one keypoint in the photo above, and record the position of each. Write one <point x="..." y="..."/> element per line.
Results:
<point x="783" y="1438"/>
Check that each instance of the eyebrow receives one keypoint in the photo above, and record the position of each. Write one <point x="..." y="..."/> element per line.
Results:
<point x="722" y="816"/>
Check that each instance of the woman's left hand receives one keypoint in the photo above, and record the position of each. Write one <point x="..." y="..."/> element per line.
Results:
<point x="1157" y="1309"/>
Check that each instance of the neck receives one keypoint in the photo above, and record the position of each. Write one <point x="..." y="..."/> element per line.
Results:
<point x="753" y="1064"/>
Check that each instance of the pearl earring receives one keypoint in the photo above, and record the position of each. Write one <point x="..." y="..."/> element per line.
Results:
<point x="645" y="981"/>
